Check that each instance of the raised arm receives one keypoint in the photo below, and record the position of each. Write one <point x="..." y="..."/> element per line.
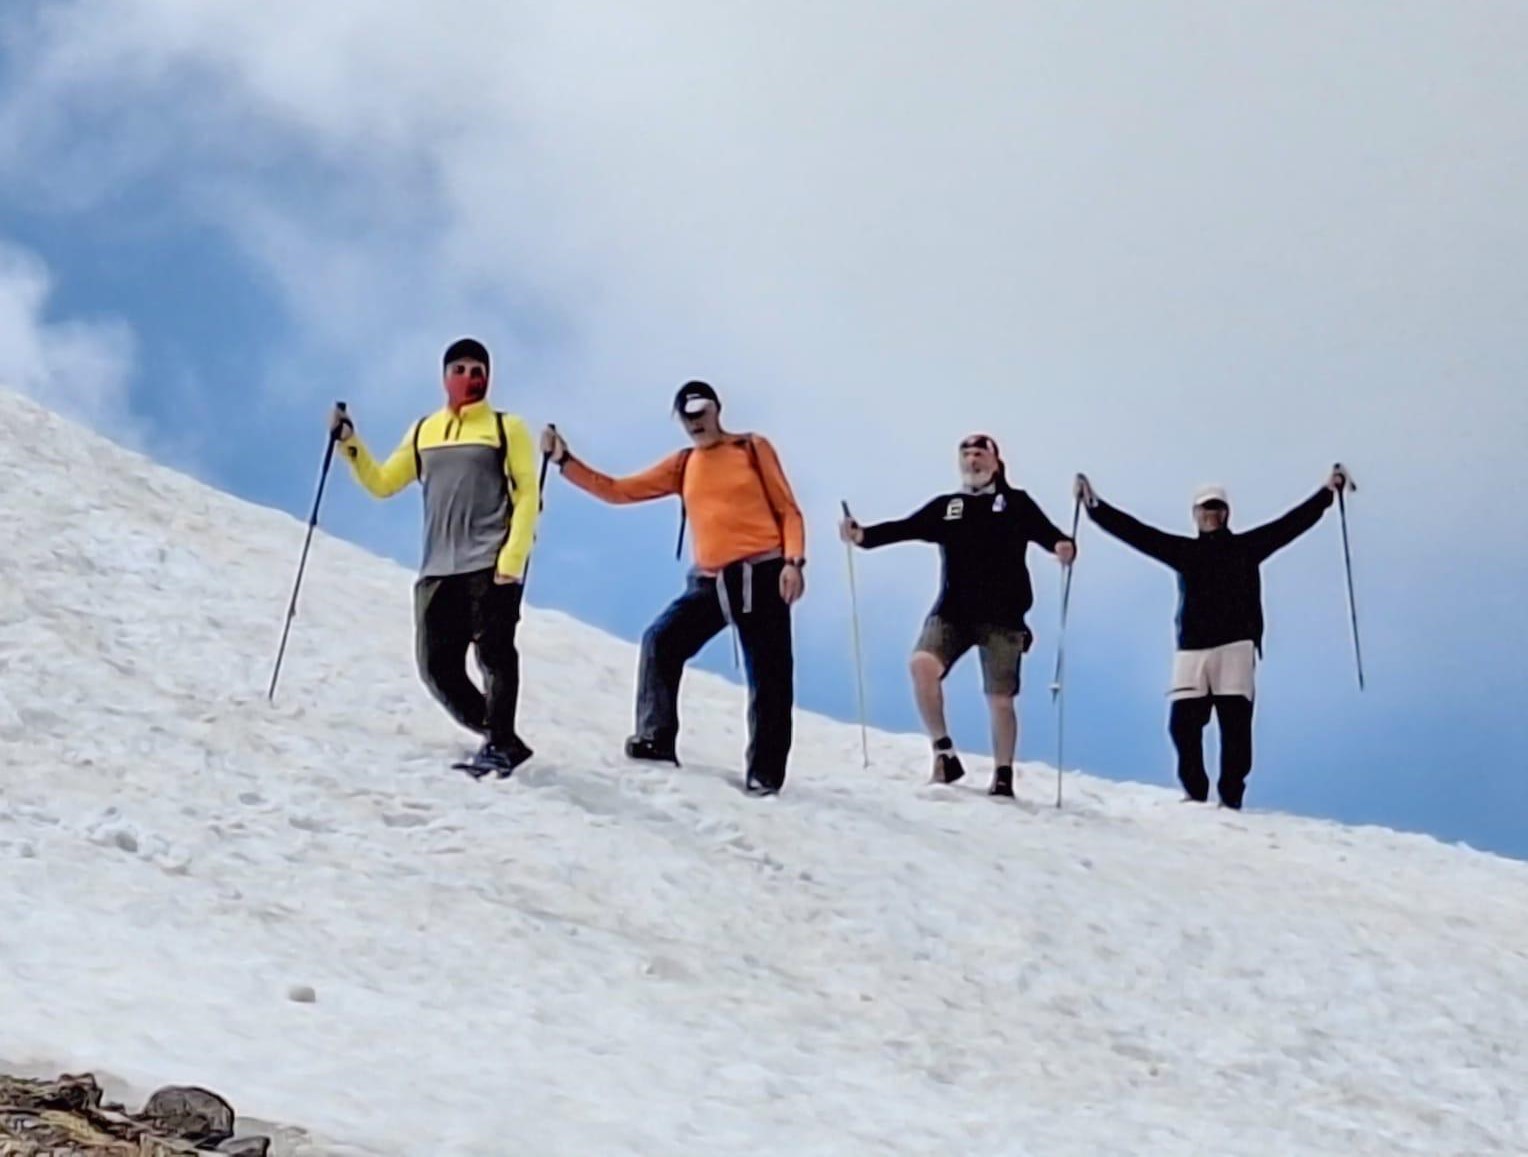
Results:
<point x="1276" y="535"/>
<point x="521" y="466"/>
<point x="657" y="481"/>
<point x="924" y="525"/>
<point x="387" y="478"/>
<point x="1158" y="544"/>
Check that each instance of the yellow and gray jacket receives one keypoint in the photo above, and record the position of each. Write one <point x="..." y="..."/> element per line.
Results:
<point x="477" y="468"/>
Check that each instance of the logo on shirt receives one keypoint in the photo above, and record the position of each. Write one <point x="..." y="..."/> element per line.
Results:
<point x="998" y="504"/>
<point x="955" y="509"/>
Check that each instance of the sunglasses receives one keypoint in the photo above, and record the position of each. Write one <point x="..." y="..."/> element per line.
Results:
<point x="1214" y="505"/>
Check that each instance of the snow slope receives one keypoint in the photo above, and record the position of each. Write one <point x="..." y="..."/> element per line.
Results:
<point x="601" y="959"/>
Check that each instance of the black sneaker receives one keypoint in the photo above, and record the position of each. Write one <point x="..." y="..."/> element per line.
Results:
<point x="947" y="768"/>
<point x="515" y="752"/>
<point x="1002" y="782"/>
<point x="500" y="761"/>
<point x="651" y="751"/>
<point x="759" y="787"/>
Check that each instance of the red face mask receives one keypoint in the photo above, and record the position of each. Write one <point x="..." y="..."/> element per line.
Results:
<point x="466" y="383"/>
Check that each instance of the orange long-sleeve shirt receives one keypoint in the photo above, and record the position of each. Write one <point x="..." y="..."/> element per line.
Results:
<point x="735" y="510"/>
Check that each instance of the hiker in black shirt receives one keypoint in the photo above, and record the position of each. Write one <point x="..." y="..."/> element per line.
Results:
<point x="1219" y="621"/>
<point x="983" y="531"/>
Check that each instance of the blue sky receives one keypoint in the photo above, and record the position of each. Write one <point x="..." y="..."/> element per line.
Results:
<point x="1211" y="244"/>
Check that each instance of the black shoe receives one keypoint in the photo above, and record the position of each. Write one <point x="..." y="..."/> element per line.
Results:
<point x="515" y="752"/>
<point x="947" y="768"/>
<point x="651" y="751"/>
<point x="500" y="761"/>
<point x="1002" y="782"/>
<point x="758" y="787"/>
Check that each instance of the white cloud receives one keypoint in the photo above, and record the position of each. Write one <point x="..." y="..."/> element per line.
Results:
<point x="78" y="368"/>
<point x="1204" y="241"/>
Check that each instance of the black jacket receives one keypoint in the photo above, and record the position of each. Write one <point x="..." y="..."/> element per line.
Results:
<point x="982" y="542"/>
<point x="1220" y="590"/>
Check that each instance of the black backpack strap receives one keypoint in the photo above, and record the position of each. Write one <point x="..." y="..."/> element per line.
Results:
<point x="418" y="459"/>
<point x="753" y="454"/>
<point x="684" y="461"/>
<point x="684" y="514"/>
<point x="509" y="483"/>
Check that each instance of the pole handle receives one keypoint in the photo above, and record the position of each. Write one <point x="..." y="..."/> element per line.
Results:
<point x="334" y="434"/>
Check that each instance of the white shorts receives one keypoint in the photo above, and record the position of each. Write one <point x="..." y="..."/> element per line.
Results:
<point x="1227" y="670"/>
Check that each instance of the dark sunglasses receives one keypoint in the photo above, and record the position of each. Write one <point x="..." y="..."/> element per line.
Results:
<point x="1216" y="505"/>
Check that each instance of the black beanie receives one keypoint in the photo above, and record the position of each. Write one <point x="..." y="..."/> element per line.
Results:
<point x="466" y="347"/>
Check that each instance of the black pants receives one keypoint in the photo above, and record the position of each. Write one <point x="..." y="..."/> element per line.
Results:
<point x="1187" y="723"/>
<point x="764" y="628"/>
<point x="452" y="613"/>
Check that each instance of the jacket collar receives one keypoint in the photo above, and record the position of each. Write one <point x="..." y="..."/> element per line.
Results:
<point x="466" y="411"/>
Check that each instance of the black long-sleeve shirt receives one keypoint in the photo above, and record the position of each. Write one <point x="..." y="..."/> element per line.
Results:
<point x="983" y="539"/>
<point x="1220" y="590"/>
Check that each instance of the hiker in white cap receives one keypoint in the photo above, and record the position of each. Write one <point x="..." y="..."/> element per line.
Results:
<point x="1219" y="621"/>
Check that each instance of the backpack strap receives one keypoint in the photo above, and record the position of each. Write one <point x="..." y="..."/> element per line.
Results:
<point x="684" y="514"/>
<point x="503" y="448"/>
<point x="753" y="455"/>
<point x="684" y="461"/>
<point x="509" y="482"/>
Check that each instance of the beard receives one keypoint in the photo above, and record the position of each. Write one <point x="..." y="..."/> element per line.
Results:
<point x="977" y="479"/>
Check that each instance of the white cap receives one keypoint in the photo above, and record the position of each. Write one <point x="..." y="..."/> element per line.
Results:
<point x="1211" y="494"/>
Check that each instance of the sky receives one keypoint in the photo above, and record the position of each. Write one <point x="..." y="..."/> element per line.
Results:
<point x="1196" y="242"/>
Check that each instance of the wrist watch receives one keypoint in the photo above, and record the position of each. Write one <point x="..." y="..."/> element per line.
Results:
<point x="798" y="563"/>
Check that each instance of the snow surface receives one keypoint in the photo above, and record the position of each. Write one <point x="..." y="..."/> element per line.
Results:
<point x="595" y="958"/>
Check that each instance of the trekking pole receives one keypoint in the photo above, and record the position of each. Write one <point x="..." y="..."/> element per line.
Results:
<point x="323" y="476"/>
<point x="1347" y="560"/>
<point x="859" y="663"/>
<point x="1056" y="685"/>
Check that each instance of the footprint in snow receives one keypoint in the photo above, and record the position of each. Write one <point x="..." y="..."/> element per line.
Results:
<point x="405" y="819"/>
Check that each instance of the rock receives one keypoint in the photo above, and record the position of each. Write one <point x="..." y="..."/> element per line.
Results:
<point x="50" y="1118"/>
<point x="246" y="1146"/>
<point x="190" y="1113"/>
<point x="302" y="994"/>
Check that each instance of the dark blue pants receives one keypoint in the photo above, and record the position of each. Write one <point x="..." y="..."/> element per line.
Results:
<point x="692" y="620"/>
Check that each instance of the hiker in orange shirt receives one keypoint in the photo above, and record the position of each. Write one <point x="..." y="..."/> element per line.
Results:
<point x="749" y="545"/>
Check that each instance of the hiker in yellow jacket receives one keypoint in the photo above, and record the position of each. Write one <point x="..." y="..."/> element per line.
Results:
<point x="477" y="468"/>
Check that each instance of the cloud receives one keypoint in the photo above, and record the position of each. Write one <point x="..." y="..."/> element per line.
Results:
<point x="1213" y="242"/>
<point x="78" y="368"/>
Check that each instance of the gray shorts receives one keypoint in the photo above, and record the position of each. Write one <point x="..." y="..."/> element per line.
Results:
<point x="1001" y="648"/>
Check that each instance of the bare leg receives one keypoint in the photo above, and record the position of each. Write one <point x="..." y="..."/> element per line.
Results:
<point x="1005" y="729"/>
<point x="927" y="672"/>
